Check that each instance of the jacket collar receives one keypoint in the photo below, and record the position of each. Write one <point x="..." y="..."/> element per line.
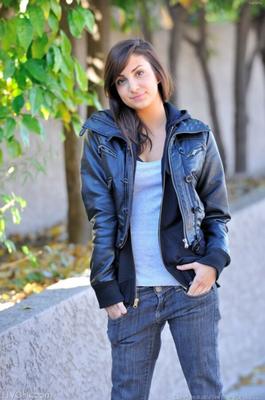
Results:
<point x="103" y="123"/>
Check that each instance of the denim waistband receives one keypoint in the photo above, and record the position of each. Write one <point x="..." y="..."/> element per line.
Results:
<point x="143" y="289"/>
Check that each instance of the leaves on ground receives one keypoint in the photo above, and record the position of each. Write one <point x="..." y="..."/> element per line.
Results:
<point x="40" y="261"/>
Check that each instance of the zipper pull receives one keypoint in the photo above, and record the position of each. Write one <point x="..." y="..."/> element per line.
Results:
<point x="136" y="301"/>
<point x="185" y="243"/>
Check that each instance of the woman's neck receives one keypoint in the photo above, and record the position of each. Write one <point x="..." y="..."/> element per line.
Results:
<point x="154" y="117"/>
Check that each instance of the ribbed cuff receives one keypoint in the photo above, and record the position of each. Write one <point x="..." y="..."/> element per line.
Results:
<point x="108" y="293"/>
<point x="216" y="258"/>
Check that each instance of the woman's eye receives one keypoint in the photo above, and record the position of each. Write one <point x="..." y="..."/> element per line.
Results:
<point x="139" y="73"/>
<point x="120" y="81"/>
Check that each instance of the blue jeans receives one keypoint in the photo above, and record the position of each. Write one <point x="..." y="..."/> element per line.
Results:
<point x="136" y="339"/>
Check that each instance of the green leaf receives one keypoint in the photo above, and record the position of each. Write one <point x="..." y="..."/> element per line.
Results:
<point x="10" y="127"/>
<point x="54" y="87"/>
<point x="76" y="21"/>
<point x="67" y="66"/>
<point x="1" y="134"/>
<point x="20" y="76"/>
<point x="53" y="22"/>
<point x="2" y="28"/>
<point x="58" y="60"/>
<point x="66" y="83"/>
<point x="14" y="148"/>
<point x="36" y="99"/>
<point x="16" y="217"/>
<point x="56" y="8"/>
<point x="80" y="76"/>
<point x="9" y="68"/>
<point x="46" y="6"/>
<point x="78" y="18"/>
<point x="31" y="123"/>
<point x="10" y="245"/>
<point x="18" y="103"/>
<point x="8" y="40"/>
<point x="35" y="69"/>
<point x="4" y="112"/>
<point x="66" y="44"/>
<point x="37" y="18"/>
<point x="39" y="46"/>
<point x="25" y="250"/>
<point x="24" y="134"/>
<point x="76" y="124"/>
<point x="24" y="32"/>
<point x="89" y="19"/>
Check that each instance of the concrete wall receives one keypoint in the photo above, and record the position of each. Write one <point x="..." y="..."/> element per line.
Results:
<point x="55" y="345"/>
<point x="46" y="194"/>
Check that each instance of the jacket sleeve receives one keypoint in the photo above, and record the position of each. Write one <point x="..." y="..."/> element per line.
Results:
<point x="212" y="191"/>
<point x="100" y="207"/>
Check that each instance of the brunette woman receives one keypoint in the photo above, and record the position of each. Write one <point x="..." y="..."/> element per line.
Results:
<point x="153" y="185"/>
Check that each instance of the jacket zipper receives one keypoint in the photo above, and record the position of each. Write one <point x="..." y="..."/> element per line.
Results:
<point x="161" y="205"/>
<point x="106" y="149"/>
<point x="185" y="240"/>
<point x="136" y="297"/>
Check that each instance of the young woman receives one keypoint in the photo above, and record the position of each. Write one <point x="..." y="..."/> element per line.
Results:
<point x="153" y="184"/>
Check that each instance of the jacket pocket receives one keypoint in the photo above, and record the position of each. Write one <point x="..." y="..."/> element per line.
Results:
<point x="102" y="148"/>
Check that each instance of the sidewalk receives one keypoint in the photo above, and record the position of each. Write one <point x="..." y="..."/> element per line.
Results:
<point x="249" y="387"/>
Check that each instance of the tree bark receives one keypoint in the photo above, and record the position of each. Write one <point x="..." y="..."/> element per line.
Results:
<point x="241" y="79"/>
<point x="202" y="52"/>
<point x="77" y="223"/>
<point x="98" y="45"/>
<point x="178" y="15"/>
<point x="145" y="21"/>
<point x="259" y="25"/>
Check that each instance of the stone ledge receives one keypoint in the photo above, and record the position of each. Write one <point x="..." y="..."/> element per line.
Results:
<point x="55" y="343"/>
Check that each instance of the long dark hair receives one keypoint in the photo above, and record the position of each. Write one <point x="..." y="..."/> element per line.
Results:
<point x="126" y="118"/>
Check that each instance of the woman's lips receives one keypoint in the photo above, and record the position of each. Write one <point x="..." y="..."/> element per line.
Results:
<point x="139" y="97"/>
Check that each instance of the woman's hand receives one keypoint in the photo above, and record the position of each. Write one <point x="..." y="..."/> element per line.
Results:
<point x="204" y="279"/>
<point x="116" y="310"/>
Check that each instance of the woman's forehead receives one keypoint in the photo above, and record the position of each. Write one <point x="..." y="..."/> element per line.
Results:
<point x="134" y="61"/>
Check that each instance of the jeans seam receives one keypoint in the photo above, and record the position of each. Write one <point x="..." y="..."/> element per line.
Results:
<point x="148" y="368"/>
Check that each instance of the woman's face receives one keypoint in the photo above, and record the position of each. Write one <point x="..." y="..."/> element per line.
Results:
<point x="137" y="84"/>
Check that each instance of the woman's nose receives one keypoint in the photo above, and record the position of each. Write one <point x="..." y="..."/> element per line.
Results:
<point x="133" y="85"/>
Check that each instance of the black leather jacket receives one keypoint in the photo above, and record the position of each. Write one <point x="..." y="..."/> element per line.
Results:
<point x="192" y="159"/>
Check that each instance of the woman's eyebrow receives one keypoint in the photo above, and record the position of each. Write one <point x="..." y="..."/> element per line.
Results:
<point x="132" y="69"/>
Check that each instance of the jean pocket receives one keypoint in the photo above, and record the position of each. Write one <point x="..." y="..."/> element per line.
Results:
<point x="199" y="296"/>
<point x="122" y="316"/>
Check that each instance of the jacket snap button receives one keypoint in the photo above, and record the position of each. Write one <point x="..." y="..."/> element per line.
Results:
<point x="188" y="178"/>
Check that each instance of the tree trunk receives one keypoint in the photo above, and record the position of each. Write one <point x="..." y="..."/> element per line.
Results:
<point x="202" y="52"/>
<point x="240" y="90"/>
<point x="98" y="46"/>
<point x="77" y="223"/>
<point x="178" y="15"/>
<point x="259" y="24"/>
<point x="145" y="21"/>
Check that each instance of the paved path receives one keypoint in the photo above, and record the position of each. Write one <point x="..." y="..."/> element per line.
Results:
<point x="250" y="387"/>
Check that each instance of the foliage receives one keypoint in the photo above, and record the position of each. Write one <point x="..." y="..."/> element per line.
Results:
<point x="127" y="14"/>
<point x="39" y="77"/>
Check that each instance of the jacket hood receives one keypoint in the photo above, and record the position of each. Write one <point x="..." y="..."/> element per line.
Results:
<point x="103" y="122"/>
